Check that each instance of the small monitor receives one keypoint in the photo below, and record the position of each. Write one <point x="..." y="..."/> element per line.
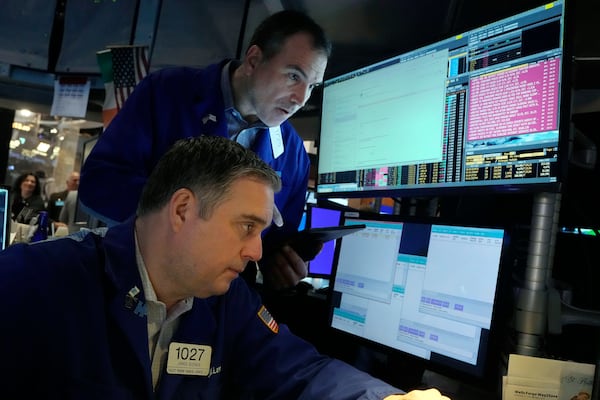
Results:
<point x="309" y="199"/>
<point x="318" y="217"/>
<point x="422" y="289"/>
<point x="4" y="218"/>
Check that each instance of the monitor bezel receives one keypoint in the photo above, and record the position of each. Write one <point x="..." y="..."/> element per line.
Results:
<point x="486" y="372"/>
<point x="6" y="224"/>
<point x="564" y="127"/>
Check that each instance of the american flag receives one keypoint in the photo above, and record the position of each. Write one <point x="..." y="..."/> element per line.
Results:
<point x="268" y="319"/>
<point x="130" y="66"/>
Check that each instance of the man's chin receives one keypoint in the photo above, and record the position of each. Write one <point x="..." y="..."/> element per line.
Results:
<point x="277" y="119"/>
<point x="223" y="286"/>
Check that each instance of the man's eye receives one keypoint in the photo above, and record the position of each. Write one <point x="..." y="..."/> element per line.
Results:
<point x="293" y="77"/>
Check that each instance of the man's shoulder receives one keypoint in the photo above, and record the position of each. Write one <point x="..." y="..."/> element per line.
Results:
<point x="186" y="72"/>
<point x="48" y="255"/>
<point x="185" y="81"/>
<point x="59" y="195"/>
<point x="71" y="195"/>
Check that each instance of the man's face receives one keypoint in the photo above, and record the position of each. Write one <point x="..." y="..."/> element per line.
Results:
<point x="282" y="85"/>
<point x="211" y="253"/>
<point x="73" y="181"/>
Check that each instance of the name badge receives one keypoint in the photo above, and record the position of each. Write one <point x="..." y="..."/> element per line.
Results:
<point x="276" y="141"/>
<point x="189" y="359"/>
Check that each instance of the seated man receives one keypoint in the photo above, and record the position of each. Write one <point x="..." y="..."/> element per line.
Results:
<point x="153" y="308"/>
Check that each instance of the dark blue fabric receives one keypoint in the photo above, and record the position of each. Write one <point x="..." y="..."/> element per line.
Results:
<point x="68" y="334"/>
<point x="168" y="105"/>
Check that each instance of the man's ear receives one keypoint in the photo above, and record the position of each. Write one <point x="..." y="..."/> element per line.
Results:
<point x="181" y="207"/>
<point x="254" y="56"/>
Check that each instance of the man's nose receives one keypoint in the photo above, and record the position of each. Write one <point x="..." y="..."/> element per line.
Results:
<point x="252" y="251"/>
<point x="301" y="94"/>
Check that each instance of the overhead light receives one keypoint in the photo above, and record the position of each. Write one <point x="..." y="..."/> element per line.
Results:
<point x="25" y="113"/>
<point x="21" y="127"/>
<point x="43" y="147"/>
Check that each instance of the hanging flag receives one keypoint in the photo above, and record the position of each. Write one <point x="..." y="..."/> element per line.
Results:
<point x="122" y="68"/>
<point x="109" y="108"/>
<point x="130" y="66"/>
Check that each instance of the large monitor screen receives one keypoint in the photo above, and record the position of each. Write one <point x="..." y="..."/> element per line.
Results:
<point x="425" y="289"/>
<point x="487" y="108"/>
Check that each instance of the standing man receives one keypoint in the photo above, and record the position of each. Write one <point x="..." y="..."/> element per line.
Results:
<point x="248" y="101"/>
<point x="153" y="309"/>
<point x="56" y="201"/>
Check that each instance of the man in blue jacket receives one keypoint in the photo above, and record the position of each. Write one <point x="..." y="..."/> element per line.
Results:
<point x="248" y="101"/>
<point x="153" y="309"/>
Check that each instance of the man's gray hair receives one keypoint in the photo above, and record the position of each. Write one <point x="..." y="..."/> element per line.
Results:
<point x="208" y="166"/>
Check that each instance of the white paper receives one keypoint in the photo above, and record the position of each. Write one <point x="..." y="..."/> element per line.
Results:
<point x="70" y="99"/>
<point x="534" y="367"/>
<point x="518" y="392"/>
<point x="532" y="378"/>
<point x="577" y="380"/>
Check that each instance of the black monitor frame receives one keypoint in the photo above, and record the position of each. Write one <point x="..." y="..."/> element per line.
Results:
<point x="493" y="341"/>
<point x="6" y="221"/>
<point x="351" y="183"/>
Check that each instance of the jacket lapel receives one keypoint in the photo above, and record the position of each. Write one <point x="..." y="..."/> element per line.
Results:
<point x="127" y="305"/>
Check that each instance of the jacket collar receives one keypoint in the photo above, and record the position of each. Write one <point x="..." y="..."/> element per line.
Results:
<point x="127" y="302"/>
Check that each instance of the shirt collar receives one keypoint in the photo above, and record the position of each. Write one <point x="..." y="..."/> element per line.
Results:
<point x="226" y="83"/>
<point x="235" y="122"/>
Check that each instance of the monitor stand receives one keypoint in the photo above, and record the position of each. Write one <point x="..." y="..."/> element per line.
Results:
<point x="404" y="372"/>
<point x="532" y="297"/>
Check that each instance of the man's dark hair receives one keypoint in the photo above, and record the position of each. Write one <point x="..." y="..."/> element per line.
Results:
<point x="206" y="165"/>
<point x="272" y="33"/>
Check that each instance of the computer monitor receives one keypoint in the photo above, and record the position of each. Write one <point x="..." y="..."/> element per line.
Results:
<point x="422" y="289"/>
<point x="4" y="218"/>
<point x="318" y="217"/>
<point x="486" y="110"/>
<point x="309" y="199"/>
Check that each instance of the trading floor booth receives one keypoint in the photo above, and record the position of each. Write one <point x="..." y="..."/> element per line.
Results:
<point x="484" y="114"/>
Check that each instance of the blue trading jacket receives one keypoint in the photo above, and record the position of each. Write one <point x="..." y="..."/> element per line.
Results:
<point x="168" y="105"/>
<point x="69" y="333"/>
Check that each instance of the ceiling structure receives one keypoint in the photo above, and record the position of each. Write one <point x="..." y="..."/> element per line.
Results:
<point x="41" y="40"/>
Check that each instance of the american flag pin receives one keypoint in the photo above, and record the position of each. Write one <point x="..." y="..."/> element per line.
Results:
<point x="267" y="319"/>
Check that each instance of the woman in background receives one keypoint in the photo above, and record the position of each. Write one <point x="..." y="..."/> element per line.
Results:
<point x="27" y="199"/>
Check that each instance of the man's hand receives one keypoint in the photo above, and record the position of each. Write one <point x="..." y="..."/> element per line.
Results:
<point x="429" y="394"/>
<point x="283" y="268"/>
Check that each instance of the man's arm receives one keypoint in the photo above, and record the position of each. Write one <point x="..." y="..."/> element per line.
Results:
<point x="272" y="361"/>
<point x="281" y="266"/>
<point x="114" y="173"/>
<point x="429" y="394"/>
